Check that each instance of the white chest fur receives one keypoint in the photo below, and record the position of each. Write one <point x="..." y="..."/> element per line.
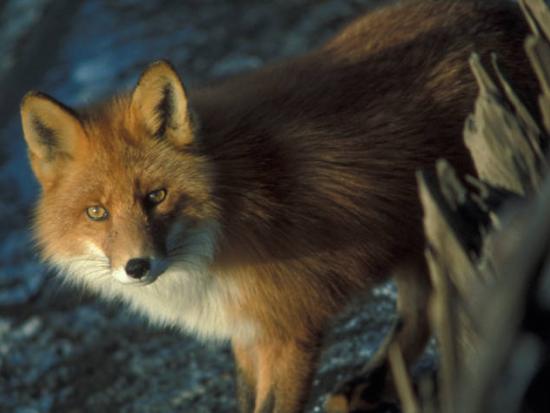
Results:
<point x="185" y="296"/>
<point x="194" y="301"/>
<point x="198" y="302"/>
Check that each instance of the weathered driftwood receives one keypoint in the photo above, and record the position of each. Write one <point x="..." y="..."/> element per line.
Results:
<point x="488" y="250"/>
<point x="503" y="139"/>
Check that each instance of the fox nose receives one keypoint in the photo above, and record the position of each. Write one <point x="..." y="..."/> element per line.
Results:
<point x="138" y="267"/>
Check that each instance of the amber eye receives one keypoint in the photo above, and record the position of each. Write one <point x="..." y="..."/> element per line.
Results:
<point x="156" y="197"/>
<point x="97" y="213"/>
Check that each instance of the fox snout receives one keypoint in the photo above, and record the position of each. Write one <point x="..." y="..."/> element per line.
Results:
<point x="138" y="267"/>
<point x="140" y="270"/>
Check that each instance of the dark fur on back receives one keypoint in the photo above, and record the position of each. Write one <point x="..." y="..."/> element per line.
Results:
<point x="315" y="157"/>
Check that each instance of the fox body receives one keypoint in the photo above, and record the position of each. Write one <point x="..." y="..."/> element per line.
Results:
<point x="254" y="209"/>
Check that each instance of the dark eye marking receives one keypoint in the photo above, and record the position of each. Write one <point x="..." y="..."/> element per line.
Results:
<point x="97" y="213"/>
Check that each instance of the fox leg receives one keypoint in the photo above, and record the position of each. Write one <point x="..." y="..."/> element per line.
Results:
<point x="245" y="360"/>
<point x="372" y="389"/>
<point x="275" y="376"/>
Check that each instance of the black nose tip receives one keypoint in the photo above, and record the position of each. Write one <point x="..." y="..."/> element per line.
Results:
<point x="137" y="267"/>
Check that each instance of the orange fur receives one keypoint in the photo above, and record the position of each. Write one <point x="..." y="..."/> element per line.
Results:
<point x="306" y="168"/>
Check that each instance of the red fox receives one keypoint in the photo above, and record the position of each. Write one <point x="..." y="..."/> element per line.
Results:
<point x="253" y="210"/>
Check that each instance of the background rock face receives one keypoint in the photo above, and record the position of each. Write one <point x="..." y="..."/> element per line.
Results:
<point x="60" y="349"/>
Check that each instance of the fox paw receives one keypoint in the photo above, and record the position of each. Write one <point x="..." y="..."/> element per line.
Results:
<point x="362" y="394"/>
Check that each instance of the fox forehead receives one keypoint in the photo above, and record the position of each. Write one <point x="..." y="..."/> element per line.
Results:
<point x="112" y="114"/>
<point x="115" y="145"/>
<point x="112" y="133"/>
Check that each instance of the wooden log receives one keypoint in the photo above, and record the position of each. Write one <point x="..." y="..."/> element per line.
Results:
<point x="504" y="149"/>
<point x="488" y="245"/>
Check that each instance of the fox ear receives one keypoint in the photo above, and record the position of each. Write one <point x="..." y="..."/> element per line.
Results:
<point x="160" y="102"/>
<point x="52" y="132"/>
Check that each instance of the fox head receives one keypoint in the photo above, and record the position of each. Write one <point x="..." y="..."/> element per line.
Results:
<point x="126" y="194"/>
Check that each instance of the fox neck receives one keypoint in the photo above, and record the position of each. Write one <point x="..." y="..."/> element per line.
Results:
<point x="269" y="139"/>
<point x="253" y="183"/>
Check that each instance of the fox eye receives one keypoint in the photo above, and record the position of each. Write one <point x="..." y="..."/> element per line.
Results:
<point x="156" y="197"/>
<point x="97" y="213"/>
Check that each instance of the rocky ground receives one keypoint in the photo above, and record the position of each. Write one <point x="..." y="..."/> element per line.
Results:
<point x="60" y="349"/>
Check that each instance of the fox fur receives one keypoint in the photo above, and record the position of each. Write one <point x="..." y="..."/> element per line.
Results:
<point x="289" y="190"/>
